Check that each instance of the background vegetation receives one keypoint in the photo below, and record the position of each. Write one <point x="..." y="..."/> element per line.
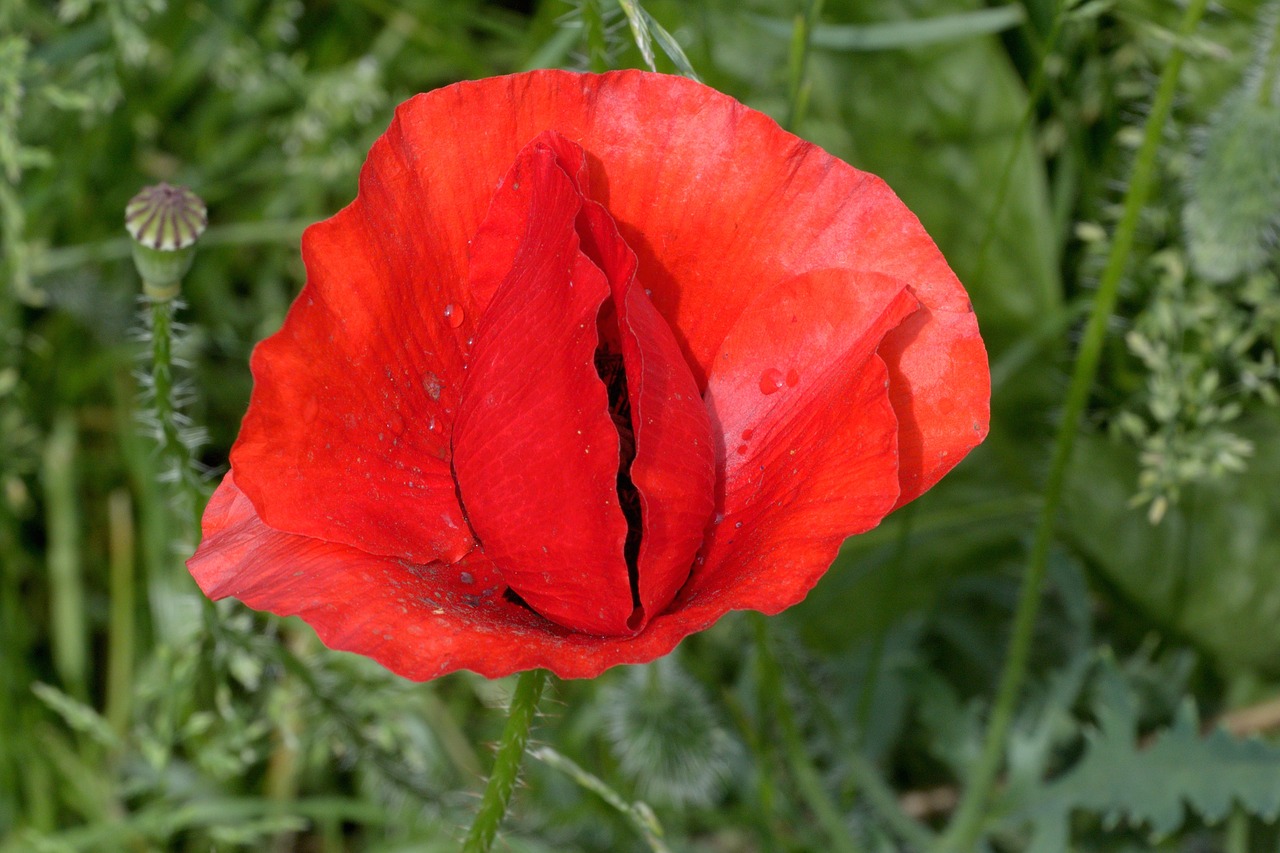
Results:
<point x="857" y="720"/>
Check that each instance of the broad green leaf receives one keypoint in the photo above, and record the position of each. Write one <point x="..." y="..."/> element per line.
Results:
<point x="1208" y="571"/>
<point x="942" y="128"/>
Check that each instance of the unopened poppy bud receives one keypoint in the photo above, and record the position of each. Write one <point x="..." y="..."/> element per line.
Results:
<point x="164" y="221"/>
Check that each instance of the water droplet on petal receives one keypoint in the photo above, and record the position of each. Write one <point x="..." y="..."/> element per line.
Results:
<point x="737" y="525"/>
<point x="719" y="517"/>
<point x="453" y="315"/>
<point x="742" y="450"/>
<point x="747" y="433"/>
<point x="432" y="385"/>
<point x="771" y="381"/>
<point x="466" y="577"/>
<point x="792" y="378"/>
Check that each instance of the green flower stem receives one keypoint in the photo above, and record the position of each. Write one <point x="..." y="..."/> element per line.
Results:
<point x="806" y="775"/>
<point x="168" y="419"/>
<point x="966" y="824"/>
<point x="69" y="640"/>
<point x="506" y="766"/>
<point x="1035" y="91"/>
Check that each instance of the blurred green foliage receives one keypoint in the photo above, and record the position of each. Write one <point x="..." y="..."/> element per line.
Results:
<point x="130" y="718"/>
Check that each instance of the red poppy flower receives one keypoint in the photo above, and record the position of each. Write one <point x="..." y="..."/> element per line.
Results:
<point x="590" y="361"/>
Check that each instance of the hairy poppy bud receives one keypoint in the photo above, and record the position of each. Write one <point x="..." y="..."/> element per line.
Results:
<point x="164" y="221"/>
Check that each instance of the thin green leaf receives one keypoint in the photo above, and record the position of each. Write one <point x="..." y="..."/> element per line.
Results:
<point x="638" y="20"/>
<point x="671" y="48"/>
<point x="895" y="35"/>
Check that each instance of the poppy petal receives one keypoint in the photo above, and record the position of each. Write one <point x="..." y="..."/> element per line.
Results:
<point x="785" y="367"/>
<point x="717" y="203"/>
<point x="811" y="455"/>
<point x="780" y="207"/>
<point x="941" y="389"/>
<point x="674" y="466"/>
<point x="842" y="479"/>
<point x="420" y="621"/>
<point x="535" y="451"/>
<point x="347" y="433"/>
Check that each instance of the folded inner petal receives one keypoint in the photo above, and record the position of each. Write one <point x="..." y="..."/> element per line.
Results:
<point x="662" y="453"/>
<point x="940" y="387"/>
<point x="833" y="478"/>
<point x="673" y="463"/>
<point x="535" y="451"/>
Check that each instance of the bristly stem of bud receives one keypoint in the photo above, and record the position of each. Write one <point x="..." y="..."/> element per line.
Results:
<point x="506" y="765"/>
<point x="169" y="421"/>
<point x="164" y="222"/>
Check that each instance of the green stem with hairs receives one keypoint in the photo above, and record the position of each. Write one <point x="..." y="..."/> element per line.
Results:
<point x="967" y="823"/>
<point x="808" y="781"/>
<point x="506" y="765"/>
<point x="168" y="419"/>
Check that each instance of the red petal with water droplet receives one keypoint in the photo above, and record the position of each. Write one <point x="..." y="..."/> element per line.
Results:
<point x="788" y="518"/>
<point x="535" y="452"/>
<point x="821" y="463"/>
<point x="714" y="199"/>
<point x="347" y="433"/>
<point x="420" y="621"/>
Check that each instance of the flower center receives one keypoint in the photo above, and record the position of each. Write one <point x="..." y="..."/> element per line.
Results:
<point x="612" y="372"/>
<point x="582" y="450"/>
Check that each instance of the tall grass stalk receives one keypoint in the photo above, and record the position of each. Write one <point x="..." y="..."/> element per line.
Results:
<point x="123" y="588"/>
<point x="967" y="823"/>
<point x="69" y="637"/>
